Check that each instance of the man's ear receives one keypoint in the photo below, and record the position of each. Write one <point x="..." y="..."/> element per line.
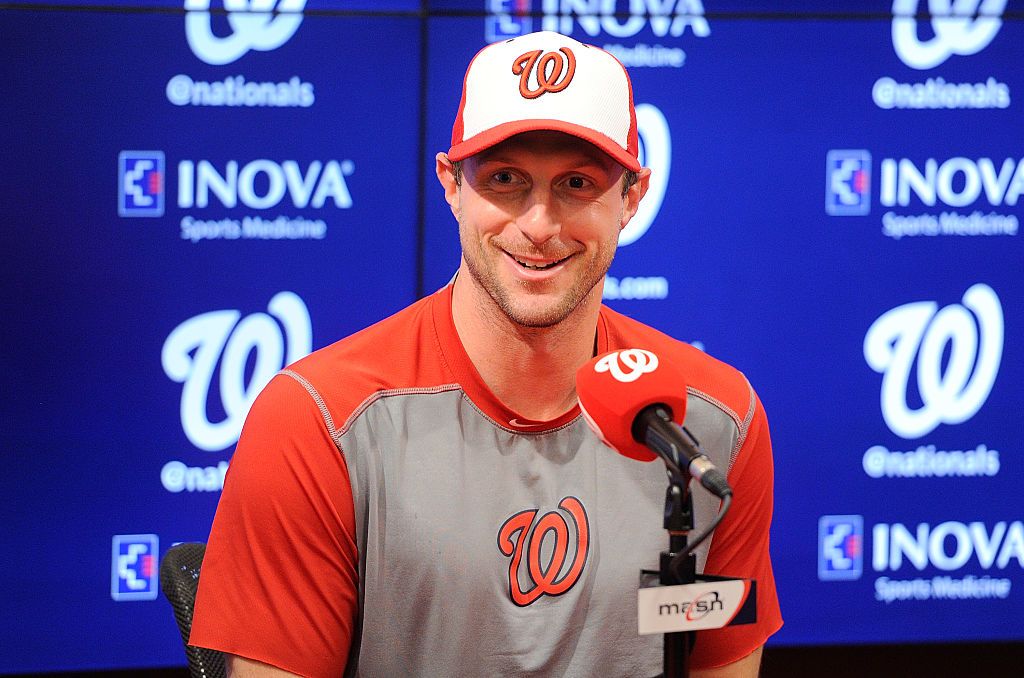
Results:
<point x="634" y="194"/>
<point x="445" y="171"/>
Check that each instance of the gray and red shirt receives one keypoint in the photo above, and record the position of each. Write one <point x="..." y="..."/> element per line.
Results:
<point x="385" y="514"/>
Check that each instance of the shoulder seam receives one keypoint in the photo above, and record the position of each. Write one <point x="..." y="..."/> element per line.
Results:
<point x="745" y="426"/>
<point x="742" y="425"/>
<point x="386" y="393"/>
<point x="336" y="433"/>
<point x="717" y="403"/>
<point x="315" y="395"/>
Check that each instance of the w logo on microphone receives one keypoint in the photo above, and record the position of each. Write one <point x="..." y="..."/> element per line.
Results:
<point x="555" y="553"/>
<point x="628" y="365"/>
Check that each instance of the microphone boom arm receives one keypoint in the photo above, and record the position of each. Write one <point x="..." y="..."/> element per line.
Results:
<point x="678" y="448"/>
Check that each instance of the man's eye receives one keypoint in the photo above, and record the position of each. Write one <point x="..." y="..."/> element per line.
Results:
<point x="504" y="177"/>
<point x="577" y="182"/>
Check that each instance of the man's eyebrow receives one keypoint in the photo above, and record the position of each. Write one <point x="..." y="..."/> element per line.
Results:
<point x="495" y="160"/>
<point x="581" y="161"/>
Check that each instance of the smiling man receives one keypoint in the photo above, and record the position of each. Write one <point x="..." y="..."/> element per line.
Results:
<point x="423" y="498"/>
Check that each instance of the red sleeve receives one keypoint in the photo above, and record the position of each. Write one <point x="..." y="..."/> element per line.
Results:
<point x="739" y="548"/>
<point x="279" y="582"/>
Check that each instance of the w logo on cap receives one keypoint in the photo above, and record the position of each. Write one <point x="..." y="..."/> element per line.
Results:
<point x="553" y="565"/>
<point x="547" y="71"/>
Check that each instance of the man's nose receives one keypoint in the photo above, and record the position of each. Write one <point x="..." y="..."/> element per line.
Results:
<point x="539" y="220"/>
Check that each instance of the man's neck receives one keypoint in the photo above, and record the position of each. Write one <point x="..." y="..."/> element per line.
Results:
<point x="532" y="370"/>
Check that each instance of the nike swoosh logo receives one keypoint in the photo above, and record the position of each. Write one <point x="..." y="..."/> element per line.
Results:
<point x="518" y="424"/>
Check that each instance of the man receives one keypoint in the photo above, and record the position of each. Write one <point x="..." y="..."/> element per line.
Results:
<point x="424" y="498"/>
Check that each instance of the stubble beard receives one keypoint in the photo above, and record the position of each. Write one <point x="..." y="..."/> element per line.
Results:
<point x="483" y="268"/>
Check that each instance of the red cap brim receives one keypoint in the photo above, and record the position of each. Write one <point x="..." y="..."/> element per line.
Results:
<point x="496" y="135"/>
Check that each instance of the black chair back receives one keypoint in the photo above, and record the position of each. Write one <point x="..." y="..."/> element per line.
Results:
<point x="179" y="580"/>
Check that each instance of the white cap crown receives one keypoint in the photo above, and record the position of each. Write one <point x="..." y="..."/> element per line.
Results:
<point x="546" y="81"/>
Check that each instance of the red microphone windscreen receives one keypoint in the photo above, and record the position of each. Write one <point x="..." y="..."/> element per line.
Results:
<point x="614" y="387"/>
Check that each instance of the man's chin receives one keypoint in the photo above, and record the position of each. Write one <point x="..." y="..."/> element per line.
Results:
<point x="538" y="312"/>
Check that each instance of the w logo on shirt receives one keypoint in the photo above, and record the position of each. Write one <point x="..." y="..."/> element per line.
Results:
<point x="555" y="551"/>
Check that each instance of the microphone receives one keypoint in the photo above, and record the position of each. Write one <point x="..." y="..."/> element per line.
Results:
<point x="636" y="403"/>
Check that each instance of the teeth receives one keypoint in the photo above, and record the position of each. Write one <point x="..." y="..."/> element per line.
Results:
<point x="536" y="267"/>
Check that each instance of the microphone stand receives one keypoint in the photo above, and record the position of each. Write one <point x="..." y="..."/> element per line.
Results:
<point x="678" y="521"/>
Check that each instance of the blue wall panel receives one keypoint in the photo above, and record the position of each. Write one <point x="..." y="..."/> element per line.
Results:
<point x="835" y="211"/>
<point x="110" y="426"/>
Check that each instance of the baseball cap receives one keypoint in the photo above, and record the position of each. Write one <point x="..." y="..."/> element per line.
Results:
<point x="546" y="81"/>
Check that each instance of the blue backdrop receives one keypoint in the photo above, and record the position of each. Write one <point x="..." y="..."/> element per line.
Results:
<point x="193" y="199"/>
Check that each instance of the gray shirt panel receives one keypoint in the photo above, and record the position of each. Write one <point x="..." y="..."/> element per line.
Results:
<point x="434" y="480"/>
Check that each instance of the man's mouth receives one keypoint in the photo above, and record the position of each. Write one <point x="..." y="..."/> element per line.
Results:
<point x="537" y="265"/>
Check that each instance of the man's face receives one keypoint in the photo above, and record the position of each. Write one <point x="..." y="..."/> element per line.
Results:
<point x="539" y="220"/>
